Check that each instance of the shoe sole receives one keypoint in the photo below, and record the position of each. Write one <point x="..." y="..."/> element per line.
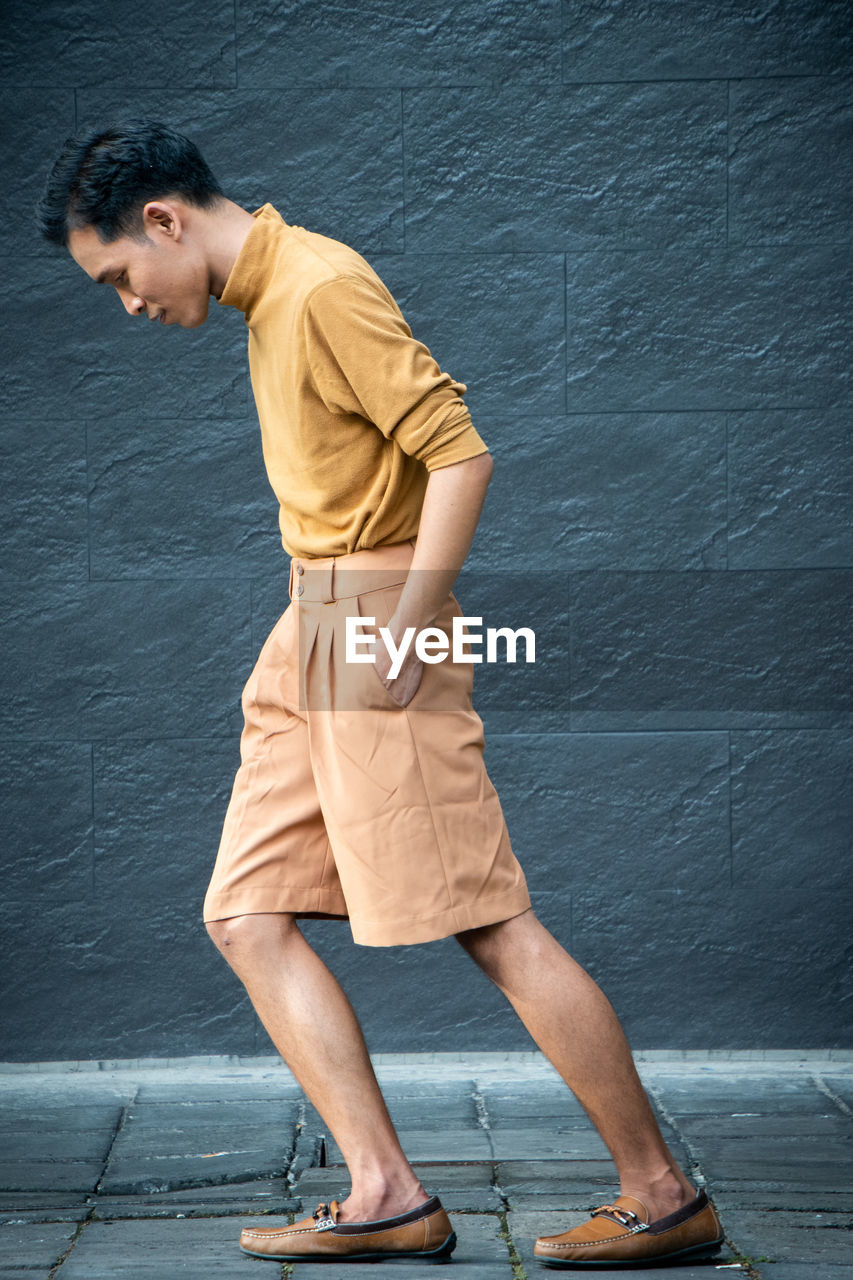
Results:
<point x="443" y="1251"/>
<point x="693" y="1251"/>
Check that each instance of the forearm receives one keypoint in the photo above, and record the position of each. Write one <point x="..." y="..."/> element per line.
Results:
<point x="451" y="509"/>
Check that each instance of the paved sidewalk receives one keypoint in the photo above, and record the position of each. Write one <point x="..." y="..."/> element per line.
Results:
<point x="147" y="1170"/>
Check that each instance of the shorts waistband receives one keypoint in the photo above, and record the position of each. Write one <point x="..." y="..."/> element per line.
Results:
<point x="321" y="580"/>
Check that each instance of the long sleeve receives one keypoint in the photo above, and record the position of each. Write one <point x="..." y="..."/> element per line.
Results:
<point x="365" y="362"/>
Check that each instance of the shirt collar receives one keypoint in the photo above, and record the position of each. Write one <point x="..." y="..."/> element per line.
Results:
<point x="252" y="267"/>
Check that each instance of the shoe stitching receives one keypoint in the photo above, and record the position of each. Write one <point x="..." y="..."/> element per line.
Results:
<point x="274" y="1235"/>
<point x="588" y="1244"/>
<point x="604" y="1210"/>
<point x="264" y="1234"/>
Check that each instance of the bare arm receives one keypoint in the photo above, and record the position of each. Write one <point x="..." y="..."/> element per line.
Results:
<point x="451" y="509"/>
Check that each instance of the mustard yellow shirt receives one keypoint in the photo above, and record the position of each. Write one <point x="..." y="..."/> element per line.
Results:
<point x="354" y="411"/>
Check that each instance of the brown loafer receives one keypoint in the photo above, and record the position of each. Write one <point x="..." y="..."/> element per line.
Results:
<point x="424" y="1232"/>
<point x="620" y="1234"/>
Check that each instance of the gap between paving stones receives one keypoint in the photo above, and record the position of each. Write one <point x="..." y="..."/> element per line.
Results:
<point x="122" y="1118"/>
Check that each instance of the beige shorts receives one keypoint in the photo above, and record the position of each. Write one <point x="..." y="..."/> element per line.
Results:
<point x="347" y="804"/>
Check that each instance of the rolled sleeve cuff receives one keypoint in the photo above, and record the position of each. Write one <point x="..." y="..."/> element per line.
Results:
<point x="452" y="440"/>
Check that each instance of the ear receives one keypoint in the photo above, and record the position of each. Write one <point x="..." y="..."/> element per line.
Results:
<point x="161" y="218"/>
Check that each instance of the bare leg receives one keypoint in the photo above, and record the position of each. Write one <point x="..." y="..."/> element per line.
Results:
<point x="313" y="1026"/>
<point x="576" y="1028"/>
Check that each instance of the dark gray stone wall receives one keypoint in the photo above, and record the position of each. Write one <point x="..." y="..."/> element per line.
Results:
<point x="626" y="227"/>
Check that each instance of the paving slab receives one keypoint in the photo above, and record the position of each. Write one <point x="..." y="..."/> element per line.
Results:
<point x="167" y="1146"/>
<point x="31" y="1249"/>
<point x="50" y="1175"/>
<point x="195" y="1249"/>
<point x="277" y="1087"/>
<point x="22" y="1146"/>
<point x="462" y="1188"/>
<point x="396" y="1089"/>
<point x="10" y="1201"/>
<point x="551" y="1185"/>
<point x="714" y="1093"/>
<point x="55" y="1149"/>
<point x="819" y="1176"/>
<point x="791" y="1196"/>
<point x="505" y="1104"/>
<point x="63" y="1092"/>
<point x="395" y="1085"/>
<point x="558" y="1178"/>
<point x="62" y="1213"/>
<point x="803" y="1149"/>
<point x="268" y="1196"/>
<point x="180" y="1116"/>
<point x="778" y="1125"/>
<point x="448" y="1113"/>
<point x="434" y="1146"/>
<point x="138" y="1142"/>
<point x="35" y="1118"/>
<point x="804" y="1271"/>
<point x="815" y="1238"/>
<point x="435" y="1114"/>
<point x="543" y="1142"/>
<point x="141" y="1175"/>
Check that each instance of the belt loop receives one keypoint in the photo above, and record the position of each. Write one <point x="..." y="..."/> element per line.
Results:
<point x="332" y="578"/>
<point x="320" y="587"/>
<point x="290" y="580"/>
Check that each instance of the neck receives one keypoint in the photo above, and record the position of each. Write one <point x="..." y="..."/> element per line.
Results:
<point x="227" y="228"/>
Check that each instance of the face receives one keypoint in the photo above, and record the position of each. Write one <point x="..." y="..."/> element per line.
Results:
<point x="160" y="277"/>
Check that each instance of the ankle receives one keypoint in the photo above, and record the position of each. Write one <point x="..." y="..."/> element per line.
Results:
<point x="381" y="1197"/>
<point x="662" y="1193"/>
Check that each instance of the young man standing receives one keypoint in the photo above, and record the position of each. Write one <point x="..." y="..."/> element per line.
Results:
<point x="362" y="792"/>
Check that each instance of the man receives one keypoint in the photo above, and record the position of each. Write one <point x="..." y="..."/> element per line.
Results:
<point x="362" y="792"/>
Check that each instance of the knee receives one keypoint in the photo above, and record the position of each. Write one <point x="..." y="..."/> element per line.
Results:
<point x="243" y="936"/>
<point x="221" y="932"/>
<point x="482" y="944"/>
<point x="489" y="945"/>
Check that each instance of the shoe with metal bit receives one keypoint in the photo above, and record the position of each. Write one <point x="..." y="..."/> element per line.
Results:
<point x="621" y="1235"/>
<point x="424" y="1232"/>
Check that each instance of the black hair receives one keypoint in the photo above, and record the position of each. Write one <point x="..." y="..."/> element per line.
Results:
<point x="104" y="178"/>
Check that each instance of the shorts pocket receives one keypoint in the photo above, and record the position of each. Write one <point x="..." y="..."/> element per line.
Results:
<point x="368" y="688"/>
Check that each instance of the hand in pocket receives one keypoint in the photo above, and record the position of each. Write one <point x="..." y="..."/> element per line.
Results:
<point x="405" y="684"/>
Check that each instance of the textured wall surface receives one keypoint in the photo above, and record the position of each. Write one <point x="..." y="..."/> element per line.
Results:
<point x="626" y="226"/>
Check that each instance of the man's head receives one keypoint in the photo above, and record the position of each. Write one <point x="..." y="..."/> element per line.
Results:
<point x="128" y="203"/>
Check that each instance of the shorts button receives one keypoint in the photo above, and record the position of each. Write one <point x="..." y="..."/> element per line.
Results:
<point x="299" y="569"/>
<point x="300" y="589"/>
